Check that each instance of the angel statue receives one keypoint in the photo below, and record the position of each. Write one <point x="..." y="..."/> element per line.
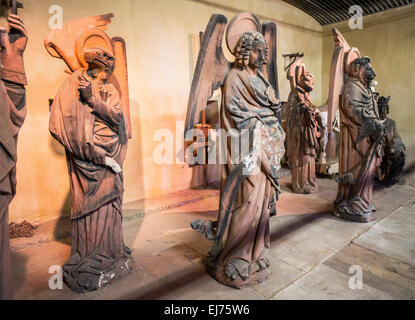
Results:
<point x="361" y="131"/>
<point x="303" y="130"/>
<point x="13" y="41"/>
<point x="249" y="115"/>
<point x="88" y="118"/>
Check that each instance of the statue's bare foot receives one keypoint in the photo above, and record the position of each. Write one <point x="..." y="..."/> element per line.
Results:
<point x="231" y="271"/>
<point x="355" y="214"/>
<point x="206" y="227"/>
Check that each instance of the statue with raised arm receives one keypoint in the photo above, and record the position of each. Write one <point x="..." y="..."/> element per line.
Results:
<point x="361" y="131"/>
<point x="394" y="150"/>
<point x="88" y="119"/>
<point x="250" y="177"/>
<point x="13" y="41"/>
<point x="360" y="144"/>
<point x="303" y="130"/>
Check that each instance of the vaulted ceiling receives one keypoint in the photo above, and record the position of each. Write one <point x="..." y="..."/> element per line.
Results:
<point x="328" y="12"/>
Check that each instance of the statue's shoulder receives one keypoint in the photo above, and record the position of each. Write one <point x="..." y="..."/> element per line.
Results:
<point x="234" y="77"/>
<point x="350" y="82"/>
<point x="354" y="87"/>
<point x="70" y="82"/>
<point x="234" y="72"/>
<point x="75" y="75"/>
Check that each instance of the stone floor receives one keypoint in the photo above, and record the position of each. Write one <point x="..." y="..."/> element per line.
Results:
<point x="311" y="254"/>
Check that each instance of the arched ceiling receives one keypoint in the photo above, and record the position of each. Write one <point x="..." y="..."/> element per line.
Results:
<point x="328" y="12"/>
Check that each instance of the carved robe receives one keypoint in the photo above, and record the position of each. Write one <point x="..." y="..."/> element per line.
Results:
<point x="238" y="257"/>
<point x="394" y="154"/>
<point x="12" y="115"/>
<point x="302" y="142"/>
<point x="89" y="135"/>
<point x="360" y="150"/>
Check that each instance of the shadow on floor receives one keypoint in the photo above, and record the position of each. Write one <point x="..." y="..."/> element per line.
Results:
<point x="158" y="289"/>
<point x="282" y="232"/>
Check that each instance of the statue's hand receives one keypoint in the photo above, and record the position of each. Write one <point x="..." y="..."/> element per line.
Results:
<point x="16" y="25"/>
<point x="380" y="127"/>
<point x="85" y="90"/>
<point x="109" y="162"/>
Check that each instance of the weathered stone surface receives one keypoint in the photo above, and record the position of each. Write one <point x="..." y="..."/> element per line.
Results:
<point x="393" y="199"/>
<point x="324" y="283"/>
<point x="170" y="257"/>
<point x="394" y="236"/>
<point x="282" y="275"/>
<point x="393" y="277"/>
<point x="302" y="254"/>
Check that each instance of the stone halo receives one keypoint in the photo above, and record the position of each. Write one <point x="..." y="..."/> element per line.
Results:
<point x="240" y="24"/>
<point x="88" y="39"/>
<point x="351" y="56"/>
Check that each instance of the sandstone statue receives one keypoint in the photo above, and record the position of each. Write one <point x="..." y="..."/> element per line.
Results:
<point x="89" y="118"/>
<point x="249" y="115"/>
<point x="361" y="131"/>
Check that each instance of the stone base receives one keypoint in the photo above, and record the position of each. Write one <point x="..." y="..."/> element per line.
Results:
<point x="219" y="275"/>
<point x="121" y="269"/>
<point x="365" y="218"/>
<point x="307" y="189"/>
<point x="328" y="169"/>
<point x="92" y="281"/>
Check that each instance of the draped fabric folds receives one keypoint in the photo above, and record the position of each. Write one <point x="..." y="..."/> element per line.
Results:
<point x="360" y="150"/>
<point x="302" y="143"/>
<point x="12" y="115"/>
<point x="89" y="135"/>
<point x="238" y="257"/>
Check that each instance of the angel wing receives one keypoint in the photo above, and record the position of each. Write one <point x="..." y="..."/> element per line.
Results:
<point x="61" y="43"/>
<point x="343" y="56"/>
<point x="291" y="72"/>
<point x="269" y="30"/>
<point x="120" y="80"/>
<point x="70" y="42"/>
<point x="211" y="70"/>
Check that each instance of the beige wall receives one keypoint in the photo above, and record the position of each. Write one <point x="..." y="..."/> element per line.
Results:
<point x="157" y="34"/>
<point x="389" y="40"/>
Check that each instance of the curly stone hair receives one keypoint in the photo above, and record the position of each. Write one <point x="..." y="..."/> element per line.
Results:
<point x="245" y="46"/>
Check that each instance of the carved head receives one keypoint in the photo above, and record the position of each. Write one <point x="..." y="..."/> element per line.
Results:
<point x="362" y="70"/>
<point x="100" y="63"/>
<point x="252" y="50"/>
<point x="305" y="79"/>
<point x="383" y="106"/>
